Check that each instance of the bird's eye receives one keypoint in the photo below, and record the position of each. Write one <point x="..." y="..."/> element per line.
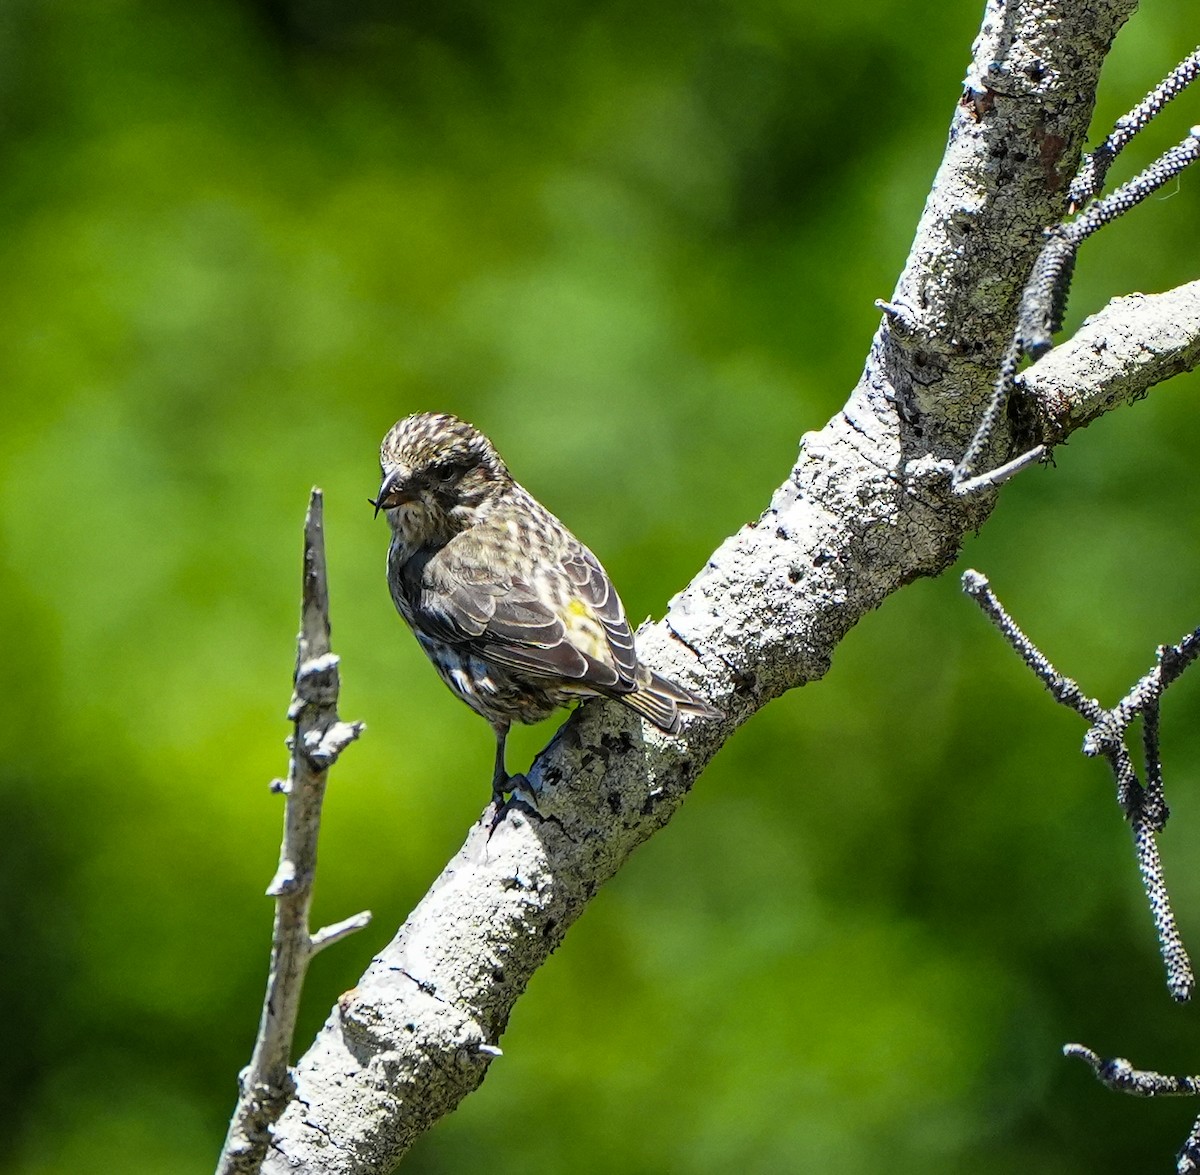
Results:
<point x="446" y="472"/>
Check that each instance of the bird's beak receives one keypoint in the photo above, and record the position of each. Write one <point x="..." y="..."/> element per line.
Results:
<point x="393" y="492"/>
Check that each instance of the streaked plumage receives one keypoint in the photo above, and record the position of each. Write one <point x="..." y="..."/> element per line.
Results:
<point x="516" y="614"/>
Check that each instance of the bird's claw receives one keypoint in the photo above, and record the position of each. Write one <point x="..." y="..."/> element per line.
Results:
<point x="502" y="795"/>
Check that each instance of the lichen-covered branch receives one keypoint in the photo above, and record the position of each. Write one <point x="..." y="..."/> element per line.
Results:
<point x="1115" y="358"/>
<point x="1044" y="298"/>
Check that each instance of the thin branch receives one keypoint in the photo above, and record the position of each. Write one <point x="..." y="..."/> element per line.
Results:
<point x="328" y="935"/>
<point x="318" y="737"/>
<point x="1145" y="807"/>
<point x="1062" y="688"/>
<point x="1044" y="302"/>
<point x="1121" y="1077"/>
<point x="1002" y="473"/>
<point x="961" y="479"/>
<point x="1090" y="180"/>
<point x="1181" y="980"/>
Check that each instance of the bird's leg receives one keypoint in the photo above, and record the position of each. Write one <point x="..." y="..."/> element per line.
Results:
<point x="500" y="774"/>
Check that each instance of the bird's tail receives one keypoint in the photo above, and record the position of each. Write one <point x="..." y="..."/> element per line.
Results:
<point x="662" y="702"/>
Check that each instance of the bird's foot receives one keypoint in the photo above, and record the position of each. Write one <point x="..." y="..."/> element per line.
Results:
<point x="494" y="812"/>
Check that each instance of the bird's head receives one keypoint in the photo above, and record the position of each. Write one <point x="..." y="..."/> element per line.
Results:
<point x="437" y="472"/>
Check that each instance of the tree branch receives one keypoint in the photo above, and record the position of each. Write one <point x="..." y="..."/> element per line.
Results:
<point x="1144" y="806"/>
<point x="1115" y="358"/>
<point x="866" y="509"/>
<point x="319" y="736"/>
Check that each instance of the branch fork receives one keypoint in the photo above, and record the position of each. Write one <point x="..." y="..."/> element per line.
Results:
<point x="1146" y="809"/>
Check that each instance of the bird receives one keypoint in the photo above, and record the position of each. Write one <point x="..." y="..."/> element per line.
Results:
<point x="518" y="617"/>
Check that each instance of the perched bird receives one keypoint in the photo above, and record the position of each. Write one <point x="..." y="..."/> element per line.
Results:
<point x="516" y="614"/>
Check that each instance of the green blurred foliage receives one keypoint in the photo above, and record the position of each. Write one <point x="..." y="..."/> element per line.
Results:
<point x="639" y="246"/>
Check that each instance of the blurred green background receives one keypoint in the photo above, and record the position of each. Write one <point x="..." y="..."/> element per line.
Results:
<point x="638" y="245"/>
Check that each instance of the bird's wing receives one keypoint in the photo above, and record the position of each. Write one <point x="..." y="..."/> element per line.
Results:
<point x="556" y="618"/>
<point x="594" y="592"/>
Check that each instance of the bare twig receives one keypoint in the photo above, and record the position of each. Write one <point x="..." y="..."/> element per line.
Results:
<point x="1063" y="689"/>
<point x="1045" y="298"/>
<point x="1188" y="1162"/>
<point x="1120" y="1076"/>
<point x="319" y="736"/>
<point x="1145" y="807"/>
<point x="1090" y="180"/>
<point x="961" y="479"/>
